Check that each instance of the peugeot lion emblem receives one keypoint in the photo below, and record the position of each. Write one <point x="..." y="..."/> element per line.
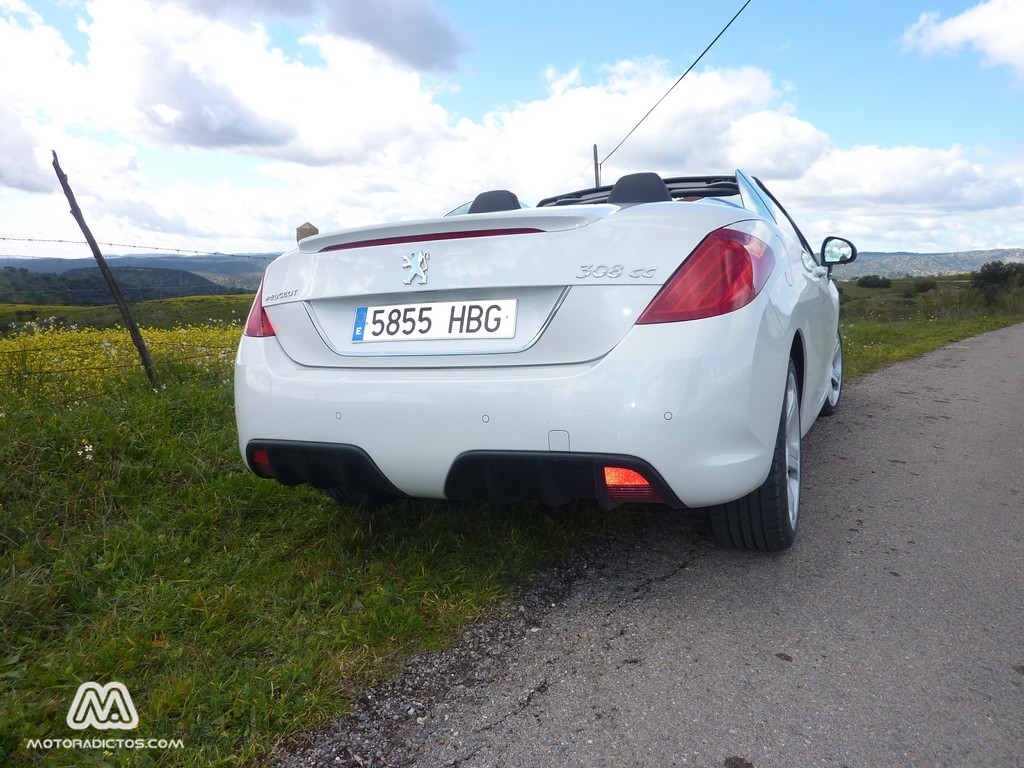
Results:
<point x="416" y="262"/>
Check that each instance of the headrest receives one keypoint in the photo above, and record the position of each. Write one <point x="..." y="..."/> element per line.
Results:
<point x="639" y="188"/>
<point x="495" y="200"/>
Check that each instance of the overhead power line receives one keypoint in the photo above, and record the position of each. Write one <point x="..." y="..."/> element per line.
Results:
<point x="677" y="82"/>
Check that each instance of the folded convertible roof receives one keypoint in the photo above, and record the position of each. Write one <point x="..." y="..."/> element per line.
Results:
<point x="678" y="187"/>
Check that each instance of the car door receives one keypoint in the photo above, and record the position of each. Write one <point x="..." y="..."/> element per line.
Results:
<point x="818" y="299"/>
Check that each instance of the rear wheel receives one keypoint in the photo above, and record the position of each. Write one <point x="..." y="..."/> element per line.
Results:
<point x="835" y="389"/>
<point x="766" y="519"/>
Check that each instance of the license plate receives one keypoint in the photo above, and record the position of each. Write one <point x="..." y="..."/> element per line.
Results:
<point x="487" y="319"/>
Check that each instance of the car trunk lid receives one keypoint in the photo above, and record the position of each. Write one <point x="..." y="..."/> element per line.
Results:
<point x="537" y="286"/>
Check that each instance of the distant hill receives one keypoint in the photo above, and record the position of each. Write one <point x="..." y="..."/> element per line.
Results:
<point x="926" y="264"/>
<point x="86" y="287"/>
<point x="236" y="271"/>
<point x="45" y="280"/>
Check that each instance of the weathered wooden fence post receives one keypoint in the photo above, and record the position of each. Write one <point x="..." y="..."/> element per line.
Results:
<point x="108" y="276"/>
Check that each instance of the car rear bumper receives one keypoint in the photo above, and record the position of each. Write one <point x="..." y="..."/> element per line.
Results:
<point x="697" y="403"/>
<point x="500" y="476"/>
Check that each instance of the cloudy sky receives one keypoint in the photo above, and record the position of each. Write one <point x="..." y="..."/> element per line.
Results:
<point x="220" y="125"/>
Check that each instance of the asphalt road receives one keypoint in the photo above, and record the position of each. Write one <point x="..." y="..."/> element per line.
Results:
<point x="891" y="634"/>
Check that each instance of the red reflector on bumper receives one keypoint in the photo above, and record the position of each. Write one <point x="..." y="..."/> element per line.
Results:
<point x="261" y="463"/>
<point x="629" y="485"/>
<point x="615" y="477"/>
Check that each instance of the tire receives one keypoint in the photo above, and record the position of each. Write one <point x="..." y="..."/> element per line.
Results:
<point x="766" y="519"/>
<point x="835" y="390"/>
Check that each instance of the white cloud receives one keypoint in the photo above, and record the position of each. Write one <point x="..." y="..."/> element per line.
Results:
<point x="560" y="82"/>
<point x="178" y="79"/>
<point x="40" y="79"/>
<point x="19" y="164"/>
<point x="413" y="32"/>
<point x="943" y="180"/>
<point x="355" y="108"/>
<point x="775" y="144"/>
<point x="890" y="198"/>
<point x="241" y="10"/>
<point x="358" y="137"/>
<point x="545" y="146"/>
<point x="993" y="28"/>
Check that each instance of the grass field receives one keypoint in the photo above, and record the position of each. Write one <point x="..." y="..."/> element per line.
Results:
<point x="135" y="547"/>
<point x="167" y="313"/>
<point x="881" y="326"/>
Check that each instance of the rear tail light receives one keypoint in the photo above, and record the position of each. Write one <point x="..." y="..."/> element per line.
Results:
<point x="626" y="485"/>
<point x="258" y="324"/>
<point x="725" y="272"/>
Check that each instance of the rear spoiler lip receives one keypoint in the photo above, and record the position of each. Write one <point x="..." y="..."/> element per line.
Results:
<point x="524" y="221"/>
<point x="422" y="238"/>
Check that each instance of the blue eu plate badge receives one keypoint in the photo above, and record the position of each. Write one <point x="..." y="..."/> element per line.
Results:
<point x="360" y="326"/>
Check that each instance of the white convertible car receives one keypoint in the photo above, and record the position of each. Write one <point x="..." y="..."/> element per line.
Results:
<point x="659" y="341"/>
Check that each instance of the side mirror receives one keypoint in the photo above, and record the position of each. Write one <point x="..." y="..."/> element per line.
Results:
<point x="837" y="250"/>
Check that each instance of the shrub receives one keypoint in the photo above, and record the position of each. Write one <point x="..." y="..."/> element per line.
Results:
<point x="874" y="281"/>
<point x="995" y="277"/>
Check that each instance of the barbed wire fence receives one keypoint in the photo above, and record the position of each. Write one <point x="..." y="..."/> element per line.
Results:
<point x="46" y="359"/>
<point x="153" y="250"/>
<point x="47" y="362"/>
<point x="62" y="367"/>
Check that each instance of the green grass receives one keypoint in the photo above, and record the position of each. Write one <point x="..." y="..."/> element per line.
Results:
<point x="881" y="326"/>
<point x="160" y="313"/>
<point x="135" y="547"/>
<point x="869" y="345"/>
